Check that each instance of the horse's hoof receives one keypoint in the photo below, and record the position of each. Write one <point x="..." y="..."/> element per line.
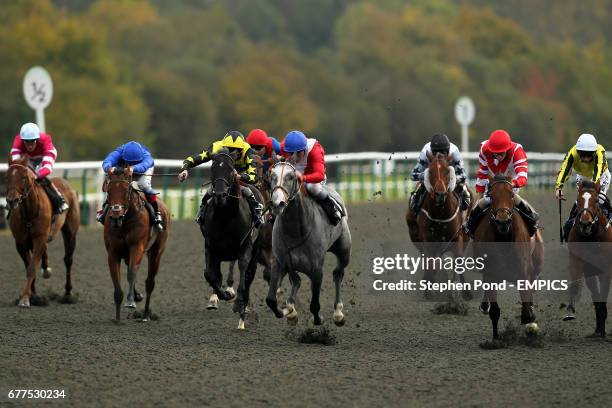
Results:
<point x="23" y="303"/>
<point x="241" y="324"/>
<point x="484" y="307"/>
<point x="339" y="323"/>
<point x="568" y="317"/>
<point x="146" y="319"/>
<point x="138" y="296"/>
<point x="130" y="304"/>
<point x="212" y="306"/>
<point x="46" y="273"/>
<point x="231" y="293"/>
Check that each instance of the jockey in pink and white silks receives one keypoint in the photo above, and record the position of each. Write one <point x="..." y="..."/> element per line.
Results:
<point x="39" y="149"/>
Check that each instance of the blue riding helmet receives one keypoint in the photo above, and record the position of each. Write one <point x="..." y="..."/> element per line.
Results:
<point x="132" y="152"/>
<point x="295" y="141"/>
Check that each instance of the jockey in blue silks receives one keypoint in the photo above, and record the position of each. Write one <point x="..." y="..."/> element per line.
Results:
<point x="137" y="158"/>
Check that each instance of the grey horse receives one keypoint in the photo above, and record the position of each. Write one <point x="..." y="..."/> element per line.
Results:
<point x="301" y="237"/>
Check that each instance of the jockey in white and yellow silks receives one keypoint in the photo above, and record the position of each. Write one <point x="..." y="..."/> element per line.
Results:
<point x="244" y="164"/>
<point x="588" y="158"/>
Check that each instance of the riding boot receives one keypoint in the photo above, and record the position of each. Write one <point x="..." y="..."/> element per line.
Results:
<point x="416" y="199"/>
<point x="101" y="215"/>
<point x="530" y="216"/>
<point x="567" y="227"/>
<point x="464" y="198"/>
<point x="58" y="203"/>
<point x="256" y="210"/>
<point x="473" y="219"/>
<point x="202" y="210"/>
<point x="158" y="220"/>
<point x="330" y="209"/>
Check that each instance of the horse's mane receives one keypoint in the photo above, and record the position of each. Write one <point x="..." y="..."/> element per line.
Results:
<point x="499" y="177"/>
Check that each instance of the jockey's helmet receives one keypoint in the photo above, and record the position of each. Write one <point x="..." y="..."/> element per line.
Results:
<point x="258" y="137"/>
<point x="440" y="143"/>
<point x="499" y="141"/>
<point x="132" y="152"/>
<point x="586" y="144"/>
<point x="29" y="131"/>
<point x="295" y="141"/>
<point x="233" y="140"/>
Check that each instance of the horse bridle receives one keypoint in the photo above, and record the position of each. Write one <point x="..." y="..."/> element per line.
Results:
<point x="495" y="211"/>
<point x="288" y="196"/>
<point x="594" y="215"/>
<point x="119" y="207"/>
<point x="27" y="188"/>
<point x="221" y="178"/>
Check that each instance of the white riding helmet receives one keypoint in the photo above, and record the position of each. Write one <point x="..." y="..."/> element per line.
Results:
<point x="29" y="131"/>
<point x="586" y="143"/>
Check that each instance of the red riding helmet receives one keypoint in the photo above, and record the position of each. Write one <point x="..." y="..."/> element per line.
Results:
<point x="258" y="137"/>
<point x="500" y="141"/>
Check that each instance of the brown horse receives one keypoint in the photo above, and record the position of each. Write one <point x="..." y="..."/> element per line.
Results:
<point x="436" y="230"/>
<point x="589" y="249"/>
<point x="33" y="224"/>
<point x="511" y="254"/>
<point x="128" y="234"/>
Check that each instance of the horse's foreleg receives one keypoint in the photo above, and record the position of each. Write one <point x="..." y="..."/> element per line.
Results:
<point x="601" y="307"/>
<point x="271" y="300"/>
<point x="114" y="266"/>
<point x="39" y="247"/>
<point x="154" y="258"/>
<point x="136" y="255"/>
<point x="69" y="247"/>
<point x="212" y="274"/>
<point x="44" y="266"/>
<point x="316" y="279"/>
<point x="229" y="282"/>
<point x="289" y="311"/>
<point x="527" y="313"/>
<point x="339" y="319"/>
<point x="575" y="286"/>
<point x="241" y="299"/>
<point x="494" y="312"/>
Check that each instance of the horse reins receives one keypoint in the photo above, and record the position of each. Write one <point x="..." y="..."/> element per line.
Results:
<point x="280" y="187"/>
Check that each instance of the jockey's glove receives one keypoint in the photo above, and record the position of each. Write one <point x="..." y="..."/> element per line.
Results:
<point x="244" y="178"/>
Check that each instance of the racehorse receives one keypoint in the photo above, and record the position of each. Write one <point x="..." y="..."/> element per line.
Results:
<point x="511" y="254"/>
<point x="33" y="224"/>
<point x="264" y="254"/>
<point x="301" y="237"/>
<point x="228" y="233"/>
<point x="128" y="234"/>
<point x="589" y="249"/>
<point x="436" y="230"/>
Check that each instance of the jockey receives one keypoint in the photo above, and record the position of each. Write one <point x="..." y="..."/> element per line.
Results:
<point x="264" y="146"/>
<point x="588" y="158"/>
<point x="244" y="163"/>
<point x="38" y="147"/>
<point x="137" y="158"/>
<point x="500" y="155"/>
<point x="309" y="159"/>
<point x="439" y="144"/>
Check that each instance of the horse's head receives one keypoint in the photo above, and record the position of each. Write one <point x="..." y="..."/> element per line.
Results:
<point x="588" y="207"/>
<point x="502" y="202"/>
<point x="440" y="178"/>
<point x="19" y="183"/>
<point x="285" y="185"/>
<point x="119" y="191"/>
<point x="222" y="175"/>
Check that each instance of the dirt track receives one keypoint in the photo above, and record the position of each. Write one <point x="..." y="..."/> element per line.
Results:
<point x="392" y="351"/>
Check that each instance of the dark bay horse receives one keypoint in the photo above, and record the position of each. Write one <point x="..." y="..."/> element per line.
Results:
<point x="436" y="230"/>
<point x="511" y="254"/>
<point x="589" y="251"/>
<point x="301" y="237"/>
<point x="33" y="225"/>
<point x="228" y="233"/>
<point x="128" y="235"/>
<point x="264" y="254"/>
